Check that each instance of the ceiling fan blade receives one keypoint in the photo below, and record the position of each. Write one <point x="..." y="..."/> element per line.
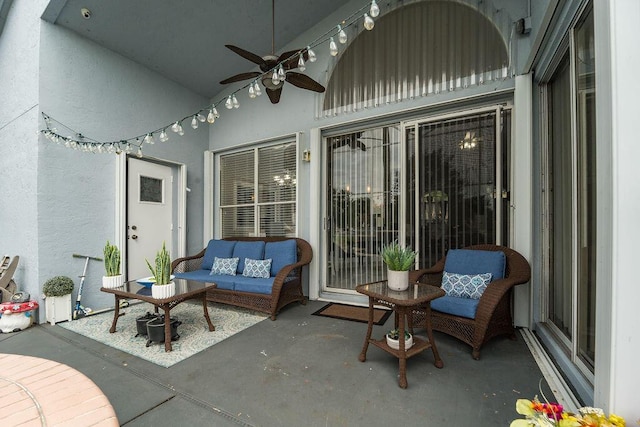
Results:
<point x="274" y="95"/>
<point x="240" y="77"/>
<point x="246" y="54"/>
<point x="304" y="82"/>
<point x="292" y="58"/>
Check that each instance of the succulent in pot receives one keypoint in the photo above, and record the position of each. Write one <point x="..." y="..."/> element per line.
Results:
<point x="393" y="339"/>
<point x="112" y="259"/>
<point x="162" y="287"/>
<point x="399" y="261"/>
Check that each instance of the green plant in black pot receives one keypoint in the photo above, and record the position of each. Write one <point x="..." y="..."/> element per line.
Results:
<point x="57" y="286"/>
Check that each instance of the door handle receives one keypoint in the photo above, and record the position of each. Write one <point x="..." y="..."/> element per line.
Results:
<point x="134" y="237"/>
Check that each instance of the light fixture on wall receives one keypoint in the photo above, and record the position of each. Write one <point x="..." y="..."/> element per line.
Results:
<point x="469" y="141"/>
<point x="306" y="155"/>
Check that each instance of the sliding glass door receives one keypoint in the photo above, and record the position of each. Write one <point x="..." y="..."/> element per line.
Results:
<point x="432" y="184"/>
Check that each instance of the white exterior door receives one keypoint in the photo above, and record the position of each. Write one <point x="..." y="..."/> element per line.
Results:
<point x="149" y="214"/>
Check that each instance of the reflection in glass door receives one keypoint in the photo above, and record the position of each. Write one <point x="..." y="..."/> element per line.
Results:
<point x="363" y="199"/>
<point x="429" y="184"/>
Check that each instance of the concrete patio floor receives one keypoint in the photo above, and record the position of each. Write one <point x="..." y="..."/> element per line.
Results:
<point x="300" y="370"/>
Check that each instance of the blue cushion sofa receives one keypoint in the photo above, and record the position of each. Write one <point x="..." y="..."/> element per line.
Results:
<point x="475" y="320"/>
<point x="280" y="282"/>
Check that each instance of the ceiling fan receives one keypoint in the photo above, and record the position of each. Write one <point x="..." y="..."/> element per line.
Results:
<point x="273" y="85"/>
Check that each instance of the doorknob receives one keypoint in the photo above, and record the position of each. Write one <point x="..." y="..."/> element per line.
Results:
<point x="134" y="237"/>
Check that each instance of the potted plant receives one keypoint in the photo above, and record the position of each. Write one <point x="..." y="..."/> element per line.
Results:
<point x="112" y="277"/>
<point x="399" y="261"/>
<point x="393" y="339"/>
<point x="162" y="286"/>
<point x="57" y="295"/>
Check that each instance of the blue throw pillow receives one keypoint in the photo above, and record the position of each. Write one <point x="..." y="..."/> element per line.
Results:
<point x="224" y="266"/>
<point x="217" y="248"/>
<point x="471" y="261"/>
<point x="465" y="285"/>
<point x="248" y="249"/>
<point x="281" y="253"/>
<point x="257" y="268"/>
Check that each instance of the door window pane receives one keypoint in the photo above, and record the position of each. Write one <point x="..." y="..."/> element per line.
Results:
<point x="150" y="189"/>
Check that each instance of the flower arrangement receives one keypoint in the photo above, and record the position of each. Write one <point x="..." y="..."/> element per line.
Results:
<point x="540" y="414"/>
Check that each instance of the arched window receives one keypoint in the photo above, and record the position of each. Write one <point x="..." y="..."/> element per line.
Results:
<point x="420" y="49"/>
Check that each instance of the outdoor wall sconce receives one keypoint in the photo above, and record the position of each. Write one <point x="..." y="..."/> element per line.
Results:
<point x="306" y="155"/>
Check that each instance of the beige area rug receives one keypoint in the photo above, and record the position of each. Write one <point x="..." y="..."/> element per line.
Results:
<point x="194" y="332"/>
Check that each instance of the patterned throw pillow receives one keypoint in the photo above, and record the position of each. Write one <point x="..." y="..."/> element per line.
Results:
<point x="257" y="268"/>
<point x="225" y="266"/>
<point x="465" y="285"/>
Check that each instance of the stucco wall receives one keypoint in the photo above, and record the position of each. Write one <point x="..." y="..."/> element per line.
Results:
<point x="18" y="140"/>
<point x="105" y="97"/>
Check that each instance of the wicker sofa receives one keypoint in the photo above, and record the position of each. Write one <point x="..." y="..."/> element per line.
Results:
<point x="487" y="317"/>
<point x="267" y="295"/>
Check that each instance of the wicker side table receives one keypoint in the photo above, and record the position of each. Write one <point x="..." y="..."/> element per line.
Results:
<point x="402" y="303"/>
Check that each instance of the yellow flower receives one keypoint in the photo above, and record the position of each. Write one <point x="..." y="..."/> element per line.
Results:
<point x="524" y="407"/>
<point x="616" y="420"/>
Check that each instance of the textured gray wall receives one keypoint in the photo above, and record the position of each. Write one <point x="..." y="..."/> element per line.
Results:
<point x="105" y="97"/>
<point x="19" y="64"/>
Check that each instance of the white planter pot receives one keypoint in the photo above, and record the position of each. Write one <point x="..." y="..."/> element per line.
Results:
<point x="163" y="291"/>
<point x="395" y="344"/>
<point x="58" y="309"/>
<point x="397" y="280"/>
<point x="111" y="282"/>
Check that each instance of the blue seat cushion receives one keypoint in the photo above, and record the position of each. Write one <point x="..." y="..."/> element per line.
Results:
<point x="281" y="254"/>
<point x="222" y="281"/>
<point x="464" y="307"/>
<point x="217" y="248"/>
<point x="253" y="284"/>
<point x="242" y="250"/>
<point x="471" y="262"/>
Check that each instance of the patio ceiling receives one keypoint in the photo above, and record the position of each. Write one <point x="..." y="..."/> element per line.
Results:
<point x="184" y="40"/>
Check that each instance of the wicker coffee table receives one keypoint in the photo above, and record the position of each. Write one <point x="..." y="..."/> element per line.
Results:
<point x="185" y="290"/>
<point x="402" y="303"/>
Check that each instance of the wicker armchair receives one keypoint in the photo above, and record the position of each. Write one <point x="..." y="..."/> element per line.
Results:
<point x="493" y="316"/>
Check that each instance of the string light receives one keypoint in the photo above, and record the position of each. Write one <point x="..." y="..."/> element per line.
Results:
<point x="342" y="35"/>
<point x="368" y="22"/>
<point x="374" y="10"/>
<point x="278" y="75"/>
<point x="333" y="48"/>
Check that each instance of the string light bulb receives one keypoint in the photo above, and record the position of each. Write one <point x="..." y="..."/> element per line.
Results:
<point x="256" y="88"/>
<point x="139" y="153"/>
<point x="301" y="66"/>
<point x="211" y="117"/>
<point x="176" y="127"/>
<point x="201" y="118"/>
<point x="342" y="35"/>
<point x="235" y="102"/>
<point x="194" y="122"/>
<point x="311" y="54"/>
<point x="228" y="103"/>
<point x="368" y="22"/>
<point x="163" y="136"/>
<point x="333" y="48"/>
<point x="275" y="79"/>
<point x="252" y="92"/>
<point x="215" y="113"/>
<point x="374" y="10"/>
<point x="281" y="74"/>
<point x="149" y="139"/>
